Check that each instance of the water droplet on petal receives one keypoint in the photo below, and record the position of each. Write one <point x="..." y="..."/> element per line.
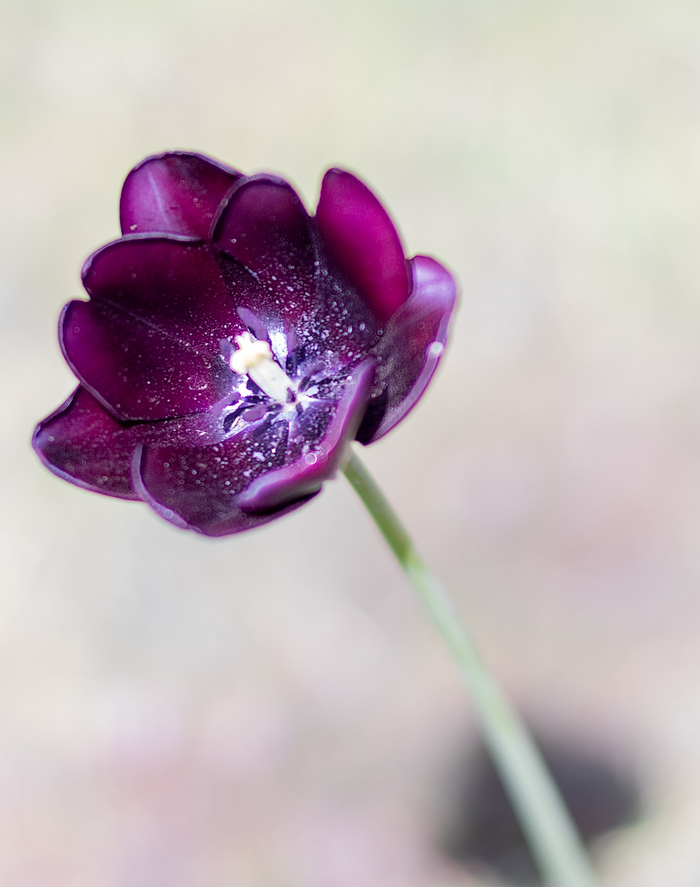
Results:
<point x="197" y="383"/>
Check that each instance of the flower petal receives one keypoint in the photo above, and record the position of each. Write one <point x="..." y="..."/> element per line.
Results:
<point x="266" y="228"/>
<point x="362" y="241"/>
<point x="171" y="283"/>
<point x="307" y="473"/>
<point x="147" y="343"/>
<point x="196" y="487"/>
<point x="83" y="444"/>
<point x="135" y="371"/>
<point x="410" y="349"/>
<point x="174" y="193"/>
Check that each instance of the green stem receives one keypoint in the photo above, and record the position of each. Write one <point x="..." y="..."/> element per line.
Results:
<point x="550" y="832"/>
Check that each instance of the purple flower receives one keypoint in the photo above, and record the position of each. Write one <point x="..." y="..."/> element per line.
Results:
<point x="233" y="346"/>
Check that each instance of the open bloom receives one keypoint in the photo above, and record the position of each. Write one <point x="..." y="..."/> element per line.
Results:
<point x="233" y="346"/>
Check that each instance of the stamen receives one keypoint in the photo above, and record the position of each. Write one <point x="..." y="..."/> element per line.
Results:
<point x="254" y="358"/>
<point x="250" y="352"/>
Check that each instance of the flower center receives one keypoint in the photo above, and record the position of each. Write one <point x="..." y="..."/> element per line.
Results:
<point x="254" y="358"/>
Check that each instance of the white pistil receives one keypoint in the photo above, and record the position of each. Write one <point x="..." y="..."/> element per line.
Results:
<point x="254" y="358"/>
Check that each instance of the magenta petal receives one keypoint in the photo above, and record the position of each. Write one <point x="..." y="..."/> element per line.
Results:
<point x="362" y="241"/>
<point x="174" y="193"/>
<point x="306" y="474"/>
<point x="82" y="443"/>
<point x="266" y="228"/>
<point x="410" y="349"/>
<point x="147" y="343"/>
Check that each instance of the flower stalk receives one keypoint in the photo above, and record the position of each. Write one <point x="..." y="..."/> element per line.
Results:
<point x="550" y="832"/>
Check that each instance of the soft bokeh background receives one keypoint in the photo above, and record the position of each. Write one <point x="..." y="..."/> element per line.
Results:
<point x="273" y="710"/>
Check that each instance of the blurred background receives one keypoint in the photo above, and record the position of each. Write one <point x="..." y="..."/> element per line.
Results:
<point x="273" y="709"/>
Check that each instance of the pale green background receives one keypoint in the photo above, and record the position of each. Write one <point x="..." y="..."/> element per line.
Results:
<point x="272" y="710"/>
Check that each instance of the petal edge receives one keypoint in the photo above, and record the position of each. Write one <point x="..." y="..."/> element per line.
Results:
<point x="305" y="476"/>
<point x="177" y="192"/>
<point x="363" y="242"/>
<point x="410" y="349"/>
<point x="81" y="443"/>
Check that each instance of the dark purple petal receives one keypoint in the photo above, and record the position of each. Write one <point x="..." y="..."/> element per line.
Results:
<point x="174" y="193"/>
<point x="344" y="326"/>
<point x="410" y="349"/>
<point x="147" y="344"/>
<point x="362" y="241"/>
<point x="82" y="443"/>
<point x="173" y="284"/>
<point x="210" y="516"/>
<point x="135" y="371"/>
<point x="199" y="486"/>
<point x="196" y="486"/>
<point x="266" y="228"/>
<point x="307" y="473"/>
